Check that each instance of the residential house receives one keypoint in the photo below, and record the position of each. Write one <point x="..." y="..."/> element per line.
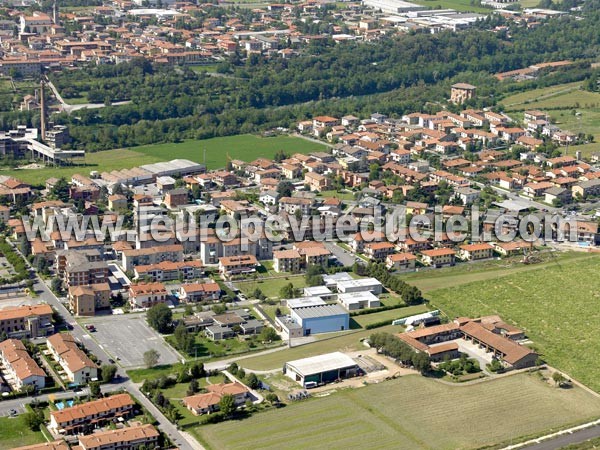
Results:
<point x="237" y="265"/>
<point x="438" y="257"/>
<point x="128" y="438"/>
<point x="472" y="252"/>
<point x="401" y="262"/>
<point x="26" y="321"/>
<point x="196" y="292"/>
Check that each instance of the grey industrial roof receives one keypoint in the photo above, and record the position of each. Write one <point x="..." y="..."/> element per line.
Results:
<point x="319" y="311"/>
<point x="321" y="363"/>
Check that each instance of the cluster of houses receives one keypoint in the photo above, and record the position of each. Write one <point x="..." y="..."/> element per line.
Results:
<point x="117" y="32"/>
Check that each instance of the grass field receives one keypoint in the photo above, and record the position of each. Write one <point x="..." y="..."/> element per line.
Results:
<point x="246" y="147"/>
<point x="272" y="286"/>
<point x="459" y="5"/>
<point x="484" y="270"/>
<point x="525" y="99"/>
<point x="556" y="304"/>
<point x="346" y="341"/>
<point x="553" y="99"/>
<point x="392" y="314"/>
<point x="411" y="412"/>
<point x="15" y="433"/>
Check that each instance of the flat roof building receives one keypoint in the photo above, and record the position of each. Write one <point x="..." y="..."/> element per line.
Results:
<point x="321" y="319"/>
<point x="321" y="369"/>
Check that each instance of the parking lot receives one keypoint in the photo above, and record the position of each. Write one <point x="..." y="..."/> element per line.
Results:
<point x="127" y="337"/>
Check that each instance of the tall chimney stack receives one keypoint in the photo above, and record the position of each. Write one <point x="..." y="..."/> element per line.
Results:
<point x="42" y="112"/>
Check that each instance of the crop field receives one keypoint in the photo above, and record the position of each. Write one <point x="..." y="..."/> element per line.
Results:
<point x="556" y="304"/>
<point x="246" y="147"/>
<point x="485" y="270"/>
<point x="411" y="412"/>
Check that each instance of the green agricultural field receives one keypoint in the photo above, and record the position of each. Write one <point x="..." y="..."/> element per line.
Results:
<point x="14" y="432"/>
<point x="326" y="343"/>
<point x="523" y="100"/>
<point x="392" y="314"/>
<point x="485" y="270"/>
<point x="246" y="147"/>
<point x="411" y="412"/>
<point x="556" y="304"/>
<point x="271" y="286"/>
<point x="459" y="5"/>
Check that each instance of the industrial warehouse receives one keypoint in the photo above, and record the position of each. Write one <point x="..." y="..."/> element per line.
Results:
<point x="321" y="369"/>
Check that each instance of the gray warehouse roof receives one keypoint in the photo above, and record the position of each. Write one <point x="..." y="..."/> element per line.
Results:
<point x="321" y="363"/>
<point x="319" y="311"/>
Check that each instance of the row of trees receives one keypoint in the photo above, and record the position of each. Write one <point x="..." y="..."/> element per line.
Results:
<point x="393" y="347"/>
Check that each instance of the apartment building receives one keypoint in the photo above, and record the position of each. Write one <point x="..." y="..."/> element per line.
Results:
<point x="78" y="367"/>
<point x="26" y="321"/>
<point x="86" y="417"/>
<point x="130" y="438"/>
<point x="146" y="295"/>
<point x="151" y="255"/>
<point x="169" y="271"/>
<point x="86" y="300"/>
<point x="20" y="366"/>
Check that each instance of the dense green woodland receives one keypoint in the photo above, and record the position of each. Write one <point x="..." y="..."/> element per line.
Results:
<point x="395" y="75"/>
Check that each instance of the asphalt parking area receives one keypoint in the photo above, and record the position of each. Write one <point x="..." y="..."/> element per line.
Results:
<point x="128" y="337"/>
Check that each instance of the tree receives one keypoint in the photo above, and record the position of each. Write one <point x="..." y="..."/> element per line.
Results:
<point x="268" y="334"/>
<point x="227" y="405"/>
<point x="188" y="311"/>
<point x="287" y="291"/>
<point x="194" y="387"/>
<point x="56" y="285"/>
<point x="33" y="419"/>
<point x="233" y="368"/>
<point x="95" y="391"/>
<point x="272" y="398"/>
<point x="184" y="341"/>
<point x="60" y="190"/>
<point x="25" y="246"/>
<point x="559" y="378"/>
<point x="151" y="358"/>
<point x="197" y="370"/>
<point x="285" y="189"/>
<point x="108" y="372"/>
<point x="160" y="317"/>
<point x="252" y="381"/>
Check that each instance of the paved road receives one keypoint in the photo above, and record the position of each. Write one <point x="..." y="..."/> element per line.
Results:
<point x="513" y="196"/>
<point x="567" y="439"/>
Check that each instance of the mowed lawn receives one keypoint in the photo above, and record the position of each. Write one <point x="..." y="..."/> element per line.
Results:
<point x="392" y="314"/>
<point x="411" y="412"/>
<point x="459" y="5"/>
<point x="271" y="286"/>
<point x="246" y="147"/>
<point x="326" y="343"/>
<point x="14" y="432"/>
<point x="557" y="305"/>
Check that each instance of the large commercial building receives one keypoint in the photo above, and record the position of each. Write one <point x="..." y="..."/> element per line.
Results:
<point x="321" y="369"/>
<point x="321" y="319"/>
